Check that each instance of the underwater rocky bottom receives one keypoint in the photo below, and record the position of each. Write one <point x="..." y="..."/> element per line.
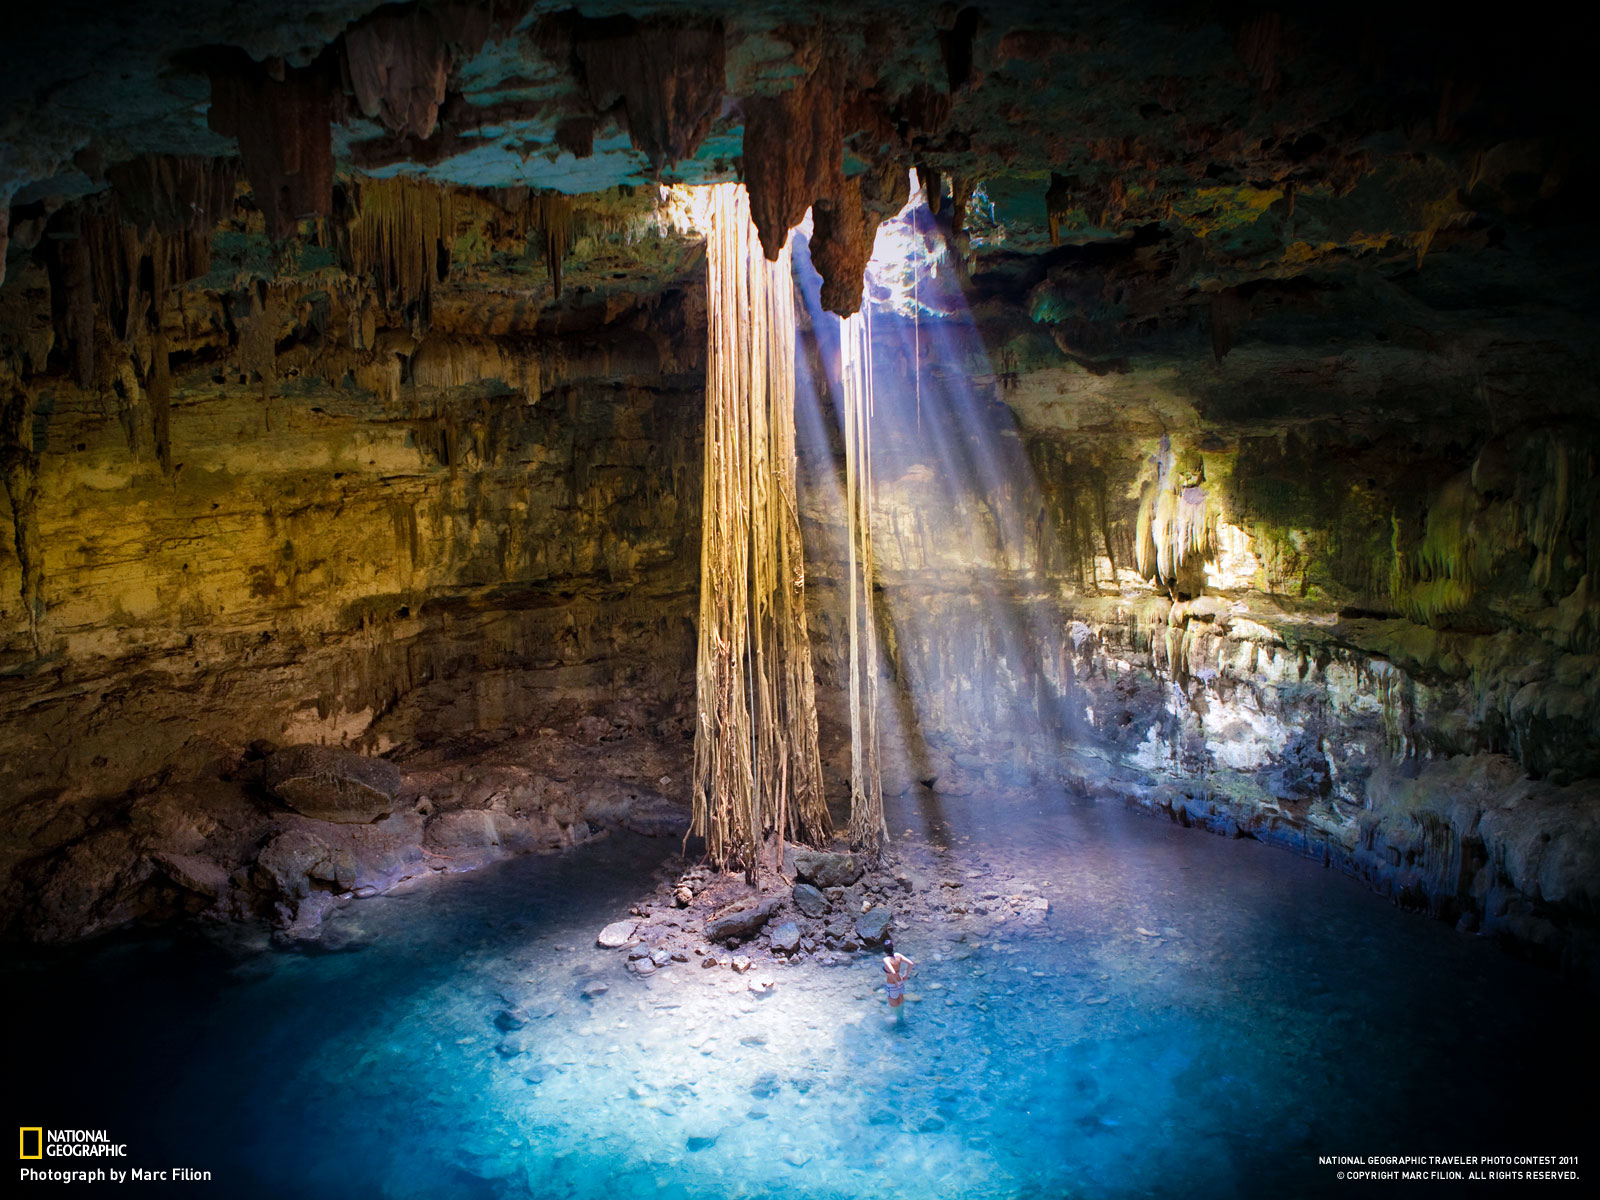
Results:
<point x="1196" y="1017"/>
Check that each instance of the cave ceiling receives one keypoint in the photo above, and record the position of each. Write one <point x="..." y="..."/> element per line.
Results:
<point x="1127" y="188"/>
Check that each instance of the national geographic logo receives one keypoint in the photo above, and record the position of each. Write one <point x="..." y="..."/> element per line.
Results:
<point x="38" y="1142"/>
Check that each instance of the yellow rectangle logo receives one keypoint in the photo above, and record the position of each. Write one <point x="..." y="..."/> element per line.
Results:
<point x="38" y="1141"/>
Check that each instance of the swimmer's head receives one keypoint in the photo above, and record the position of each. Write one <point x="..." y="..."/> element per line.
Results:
<point x="888" y="946"/>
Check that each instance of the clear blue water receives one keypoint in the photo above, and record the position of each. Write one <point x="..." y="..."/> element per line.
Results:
<point x="1197" y="1017"/>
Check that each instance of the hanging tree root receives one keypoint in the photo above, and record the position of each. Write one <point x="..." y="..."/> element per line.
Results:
<point x="758" y="770"/>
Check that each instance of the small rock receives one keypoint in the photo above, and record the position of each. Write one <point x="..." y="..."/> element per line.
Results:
<point x="741" y="963"/>
<point x="765" y="1087"/>
<point x="683" y="897"/>
<point x="660" y="957"/>
<point x="515" y="1043"/>
<point x="786" y="938"/>
<point x="761" y="986"/>
<point x="617" y="934"/>
<point x="709" y="960"/>
<point x="508" y="1019"/>
<point x="680" y="955"/>
<point x="701" y="1142"/>
<point x="594" y="990"/>
<point x="797" y="1158"/>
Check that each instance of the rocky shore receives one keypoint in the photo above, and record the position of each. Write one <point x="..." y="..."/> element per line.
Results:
<point x="282" y="836"/>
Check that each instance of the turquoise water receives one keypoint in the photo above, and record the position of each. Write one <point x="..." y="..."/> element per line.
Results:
<point x="1196" y="1017"/>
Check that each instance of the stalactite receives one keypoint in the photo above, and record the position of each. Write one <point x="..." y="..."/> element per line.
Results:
<point x="845" y="227"/>
<point x="955" y="46"/>
<point x="282" y="117"/>
<point x="1177" y="521"/>
<point x="118" y="254"/>
<point x="1057" y="204"/>
<point x="455" y="361"/>
<point x="397" y="65"/>
<point x="868" y="827"/>
<point x="757" y="765"/>
<point x="72" y="300"/>
<point x="399" y="238"/>
<point x="793" y="152"/>
<point x="546" y="216"/>
<point x="1516" y="505"/>
<point x="794" y="160"/>
<point x="551" y="216"/>
<point x="177" y="195"/>
<point x="19" y="464"/>
<point x="667" y="78"/>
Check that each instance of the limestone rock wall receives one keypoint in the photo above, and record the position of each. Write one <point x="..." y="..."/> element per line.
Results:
<point x="329" y="563"/>
<point x="1447" y="756"/>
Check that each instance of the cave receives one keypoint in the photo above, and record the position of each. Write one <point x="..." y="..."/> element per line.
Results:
<point x="697" y="600"/>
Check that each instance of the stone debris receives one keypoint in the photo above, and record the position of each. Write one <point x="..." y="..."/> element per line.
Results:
<point x="616" y="935"/>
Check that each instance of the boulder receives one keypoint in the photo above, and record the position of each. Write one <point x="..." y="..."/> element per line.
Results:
<point x="332" y="785"/>
<point x="191" y="871"/>
<point x="810" y="901"/>
<point x="786" y="938"/>
<point x="741" y="922"/>
<point x="873" y="927"/>
<point x="826" y="869"/>
<point x="617" y="934"/>
<point x="296" y="860"/>
<point x="463" y="829"/>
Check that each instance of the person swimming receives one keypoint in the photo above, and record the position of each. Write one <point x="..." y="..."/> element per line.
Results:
<point x="897" y="968"/>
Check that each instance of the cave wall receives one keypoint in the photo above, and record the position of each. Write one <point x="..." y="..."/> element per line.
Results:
<point x="1294" y="687"/>
<point x="385" y="567"/>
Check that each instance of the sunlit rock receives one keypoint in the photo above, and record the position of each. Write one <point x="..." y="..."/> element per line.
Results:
<point x="332" y="785"/>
